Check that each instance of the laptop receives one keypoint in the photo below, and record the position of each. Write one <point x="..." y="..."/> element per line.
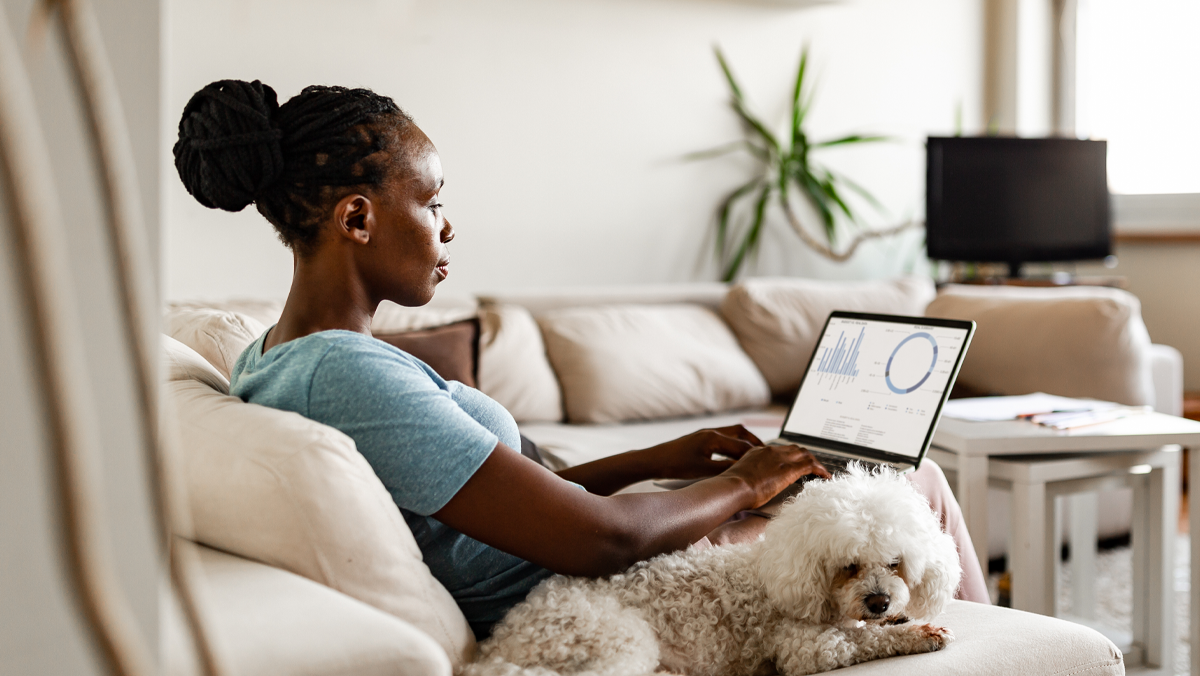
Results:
<point x="874" y="389"/>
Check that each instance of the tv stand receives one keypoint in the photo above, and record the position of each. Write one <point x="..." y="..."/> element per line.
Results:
<point x="1115" y="282"/>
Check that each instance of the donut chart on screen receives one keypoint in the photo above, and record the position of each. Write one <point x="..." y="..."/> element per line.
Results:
<point x="887" y="374"/>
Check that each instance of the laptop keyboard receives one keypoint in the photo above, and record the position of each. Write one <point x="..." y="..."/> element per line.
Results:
<point x="836" y="464"/>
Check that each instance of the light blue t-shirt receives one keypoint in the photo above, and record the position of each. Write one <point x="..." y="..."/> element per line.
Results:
<point x="423" y="436"/>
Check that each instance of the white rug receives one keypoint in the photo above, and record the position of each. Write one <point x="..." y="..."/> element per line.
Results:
<point x="1114" y="594"/>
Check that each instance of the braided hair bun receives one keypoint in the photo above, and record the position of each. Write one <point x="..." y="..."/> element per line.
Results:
<point x="237" y="145"/>
<point x="229" y="146"/>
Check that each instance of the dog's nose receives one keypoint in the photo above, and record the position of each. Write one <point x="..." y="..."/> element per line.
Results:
<point x="877" y="603"/>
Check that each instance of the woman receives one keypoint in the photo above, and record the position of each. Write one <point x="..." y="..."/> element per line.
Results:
<point x="351" y="185"/>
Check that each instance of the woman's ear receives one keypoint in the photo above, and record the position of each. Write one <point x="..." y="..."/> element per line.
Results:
<point x="354" y="218"/>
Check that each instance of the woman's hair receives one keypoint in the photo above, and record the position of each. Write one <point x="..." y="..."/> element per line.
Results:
<point x="237" y="145"/>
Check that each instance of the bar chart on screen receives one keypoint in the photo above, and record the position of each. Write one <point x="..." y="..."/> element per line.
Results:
<point x="839" y="364"/>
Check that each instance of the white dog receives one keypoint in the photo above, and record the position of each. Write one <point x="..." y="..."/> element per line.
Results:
<point x="834" y="580"/>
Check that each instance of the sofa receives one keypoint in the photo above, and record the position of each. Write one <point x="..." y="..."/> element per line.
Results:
<point x="309" y="567"/>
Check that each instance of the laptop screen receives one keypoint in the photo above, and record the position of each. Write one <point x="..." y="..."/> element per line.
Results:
<point x="877" y="384"/>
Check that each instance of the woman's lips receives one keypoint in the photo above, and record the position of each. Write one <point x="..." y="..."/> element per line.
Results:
<point x="443" y="269"/>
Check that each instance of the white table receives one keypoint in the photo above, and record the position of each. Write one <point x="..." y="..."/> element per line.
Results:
<point x="975" y="450"/>
<point x="965" y="447"/>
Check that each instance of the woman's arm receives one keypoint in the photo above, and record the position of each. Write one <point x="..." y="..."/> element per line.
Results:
<point x="517" y="506"/>
<point x="688" y="457"/>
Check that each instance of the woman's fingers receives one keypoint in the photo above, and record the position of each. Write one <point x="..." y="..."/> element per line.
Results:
<point x="804" y="460"/>
<point x="717" y="441"/>
<point x="740" y="432"/>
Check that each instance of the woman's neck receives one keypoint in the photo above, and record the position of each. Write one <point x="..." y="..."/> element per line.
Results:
<point x="326" y="294"/>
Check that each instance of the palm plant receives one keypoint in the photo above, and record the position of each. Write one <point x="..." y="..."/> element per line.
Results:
<point x="786" y="164"/>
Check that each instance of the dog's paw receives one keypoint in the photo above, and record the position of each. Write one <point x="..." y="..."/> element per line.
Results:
<point x="931" y="638"/>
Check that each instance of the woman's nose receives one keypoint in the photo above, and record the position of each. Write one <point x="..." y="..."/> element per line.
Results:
<point x="447" y="231"/>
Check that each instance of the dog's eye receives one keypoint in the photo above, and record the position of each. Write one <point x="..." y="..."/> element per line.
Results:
<point x="851" y="569"/>
<point x="894" y="564"/>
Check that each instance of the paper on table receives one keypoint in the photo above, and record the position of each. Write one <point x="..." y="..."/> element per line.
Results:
<point x="983" y="409"/>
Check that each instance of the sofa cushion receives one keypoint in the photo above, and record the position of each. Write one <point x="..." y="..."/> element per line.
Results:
<point x="220" y="336"/>
<point x="181" y="362"/>
<point x="995" y="641"/>
<point x="264" y="311"/>
<point x="449" y="350"/>
<point x="1074" y="341"/>
<point x="442" y="310"/>
<point x="513" y="368"/>
<point x="639" y="362"/>
<point x="269" y="621"/>
<point x="779" y="320"/>
<point x="278" y="488"/>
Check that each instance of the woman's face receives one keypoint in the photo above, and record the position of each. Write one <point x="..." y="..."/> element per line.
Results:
<point x="408" y="256"/>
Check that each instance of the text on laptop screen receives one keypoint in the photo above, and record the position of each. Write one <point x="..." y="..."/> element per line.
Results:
<point x="876" y="384"/>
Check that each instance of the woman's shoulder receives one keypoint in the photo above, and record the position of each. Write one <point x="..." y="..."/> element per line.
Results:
<point x="346" y="355"/>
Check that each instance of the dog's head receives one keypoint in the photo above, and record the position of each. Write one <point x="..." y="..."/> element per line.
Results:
<point x="864" y="546"/>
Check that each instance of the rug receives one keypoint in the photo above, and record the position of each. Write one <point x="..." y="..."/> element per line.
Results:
<point x="1114" y="593"/>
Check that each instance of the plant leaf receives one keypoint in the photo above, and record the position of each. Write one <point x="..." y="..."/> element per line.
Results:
<point x="864" y="193"/>
<point x="725" y="149"/>
<point x="738" y="103"/>
<point x="830" y="189"/>
<point x="723" y="213"/>
<point x="798" y="110"/>
<point x="811" y="188"/>
<point x="733" y="85"/>
<point x="740" y="108"/>
<point x="750" y="240"/>
<point x="853" y="138"/>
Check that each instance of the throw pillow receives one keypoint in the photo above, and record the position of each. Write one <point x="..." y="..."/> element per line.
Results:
<point x="1074" y="341"/>
<point x="513" y="368"/>
<point x="779" y="320"/>
<point x="278" y="488"/>
<point x="451" y="350"/>
<point x="643" y="362"/>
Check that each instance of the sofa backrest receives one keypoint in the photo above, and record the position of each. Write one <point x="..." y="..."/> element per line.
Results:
<point x="541" y="300"/>
<point x="1073" y="341"/>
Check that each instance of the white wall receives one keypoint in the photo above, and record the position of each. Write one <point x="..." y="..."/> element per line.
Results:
<point x="561" y="124"/>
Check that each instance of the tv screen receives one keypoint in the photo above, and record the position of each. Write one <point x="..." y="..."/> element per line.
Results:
<point x="1013" y="200"/>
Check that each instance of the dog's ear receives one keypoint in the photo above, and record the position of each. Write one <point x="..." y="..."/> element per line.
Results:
<point x="798" y="586"/>
<point x="936" y="581"/>
<point x="791" y="563"/>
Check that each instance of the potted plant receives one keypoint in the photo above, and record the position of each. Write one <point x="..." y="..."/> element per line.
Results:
<point x="786" y="164"/>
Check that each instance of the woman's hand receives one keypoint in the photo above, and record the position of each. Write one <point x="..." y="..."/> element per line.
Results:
<point x="691" y="456"/>
<point x="767" y="470"/>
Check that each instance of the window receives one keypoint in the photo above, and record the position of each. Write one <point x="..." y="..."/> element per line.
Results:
<point x="1138" y="86"/>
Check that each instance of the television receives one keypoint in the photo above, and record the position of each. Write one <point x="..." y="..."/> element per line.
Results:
<point x="1017" y="200"/>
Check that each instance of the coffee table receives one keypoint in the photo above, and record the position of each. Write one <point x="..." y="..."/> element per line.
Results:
<point x="1038" y="463"/>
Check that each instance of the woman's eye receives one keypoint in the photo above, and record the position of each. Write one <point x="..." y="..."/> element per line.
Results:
<point x="435" y="207"/>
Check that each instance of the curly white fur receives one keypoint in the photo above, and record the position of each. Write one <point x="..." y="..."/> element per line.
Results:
<point x="834" y="581"/>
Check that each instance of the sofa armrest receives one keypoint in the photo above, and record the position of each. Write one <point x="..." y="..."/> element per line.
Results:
<point x="265" y="620"/>
<point x="1166" y="367"/>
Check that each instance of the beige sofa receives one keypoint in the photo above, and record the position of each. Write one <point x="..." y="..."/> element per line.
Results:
<point x="587" y="373"/>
